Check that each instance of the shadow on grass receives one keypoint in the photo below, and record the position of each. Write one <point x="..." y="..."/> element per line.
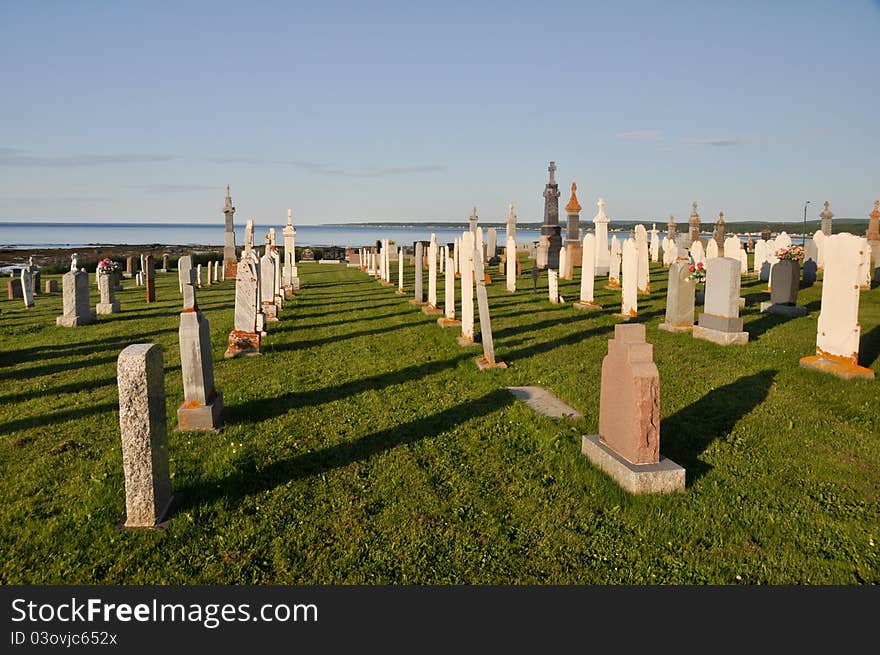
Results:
<point x="685" y="435"/>
<point x="49" y="369"/>
<point x="43" y="420"/>
<point x="765" y="323"/>
<point x="256" y="479"/>
<point x="869" y="347"/>
<point x="266" y="408"/>
<point x="71" y="350"/>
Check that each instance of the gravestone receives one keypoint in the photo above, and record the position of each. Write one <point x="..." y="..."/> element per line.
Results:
<point x="467" y="289"/>
<point x="697" y="252"/>
<point x="627" y="447"/>
<point x="783" y="296"/>
<point x="202" y="405"/>
<point x="614" y="265"/>
<point x="629" y="292"/>
<point x="244" y="339"/>
<point x="865" y="268"/>
<point x="551" y="228"/>
<point x="510" y="260"/>
<point x="230" y="259"/>
<point x="488" y="359"/>
<point x="588" y="269"/>
<point x="491" y="243"/>
<point x="431" y="307"/>
<point x="655" y="244"/>
<point x="150" y="278"/>
<point x="108" y="304"/>
<point x="838" y="332"/>
<point x="77" y="308"/>
<point x="267" y="286"/>
<point x="418" y="295"/>
<point x="164" y="263"/>
<point x="643" y="277"/>
<point x="129" y="267"/>
<point x="720" y="321"/>
<point x="553" y="286"/>
<point x="563" y="263"/>
<point x="448" y="318"/>
<point x="51" y="286"/>
<point x="680" y="296"/>
<point x="711" y="249"/>
<point x="27" y="286"/>
<point x="199" y="276"/>
<point x="400" y="271"/>
<point x="811" y="262"/>
<point x="603" y="255"/>
<point x="141" y="378"/>
<point x="13" y="288"/>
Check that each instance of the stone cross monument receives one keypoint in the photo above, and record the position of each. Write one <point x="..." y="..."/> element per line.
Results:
<point x="550" y="229"/>
<point x="230" y="261"/>
<point x="603" y="255"/>
<point x="826" y="217"/>
<point x="573" y="209"/>
<point x="694" y="223"/>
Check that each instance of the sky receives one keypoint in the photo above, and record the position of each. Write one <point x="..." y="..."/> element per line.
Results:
<point x="408" y="111"/>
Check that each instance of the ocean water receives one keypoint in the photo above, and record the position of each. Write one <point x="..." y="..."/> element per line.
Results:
<point x="27" y="235"/>
<point x="77" y="235"/>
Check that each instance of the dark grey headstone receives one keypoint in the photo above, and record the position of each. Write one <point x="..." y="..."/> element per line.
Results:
<point x="786" y="281"/>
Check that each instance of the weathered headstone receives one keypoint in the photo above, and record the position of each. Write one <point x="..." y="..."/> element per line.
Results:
<point x="77" y="309"/>
<point x="202" y="405"/>
<point x="27" y="287"/>
<point x="553" y="286"/>
<point x="244" y="339"/>
<point x="643" y="277"/>
<point x="629" y="293"/>
<point x="418" y="294"/>
<point x="588" y="273"/>
<point x="51" y="286"/>
<point x="488" y="359"/>
<point x="448" y="318"/>
<point x="614" y="266"/>
<point x="720" y="321"/>
<point x="141" y="378"/>
<point x="680" y="296"/>
<point x="267" y="285"/>
<point x="811" y="262"/>
<point x="510" y="260"/>
<point x="865" y="268"/>
<point x="230" y="259"/>
<point x="711" y="249"/>
<point x="108" y="304"/>
<point x="129" y="267"/>
<point x="467" y="289"/>
<point x="786" y="283"/>
<point x="431" y="307"/>
<point x="550" y="228"/>
<point x="13" y="288"/>
<point x="837" y="339"/>
<point x="400" y="271"/>
<point x="491" y="243"/>
<point x="164" y="263"/>
<point x="697" y="252"/>
<point x="627" y="447"/>
<point x="150" y="278"/>
<point x="563" y="263"/>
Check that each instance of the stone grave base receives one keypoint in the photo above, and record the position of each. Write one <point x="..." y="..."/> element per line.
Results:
<point x="204" y="418"/>
<point x="719" y="337"/>
<point x="671" y="327"/>
<point x="791" y="311"/>
<point x="585" y="305"/>
<point x="838" y="366"/>
<point x="417" y="303"/>
<point x="625" y="317"/>
<point x="464" y="342"/>
<point x="448" y="322"/>
<point x="429" y="310"/>
<point x="742" y="302"/>
<point x="664" y="477"/>
<point x="294" y="283"/>
<point x="614" y="286"/>
<point x="73" y="320"/>
<point x="163" y="520"/>
<point x="544" y="402"/>
<point x="242" y="343"/>
<point x="483" y="363"/>
<point x="270" y="311"/>
<point x="399" y="291"/>
<point x="644" y="292"/>
<point x="107" y="307"/>
<point x="386" y="283"/>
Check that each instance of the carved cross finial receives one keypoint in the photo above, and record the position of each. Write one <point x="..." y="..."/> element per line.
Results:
<point x="695" y="206"/>
<point x="552" y="169"/>
<point x="474" y="214"/>
<point x="289" y="216"/>
<point x="877" y="205"/>
<point x="601" y="204"/>
<point x="574" y="187"/>
<point x="720" y="217"/>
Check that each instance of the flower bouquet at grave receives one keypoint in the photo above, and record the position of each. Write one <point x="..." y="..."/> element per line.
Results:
<point x="697" y="273"/>
<point x="794" y="253"/>
<point x="108" y="266"/>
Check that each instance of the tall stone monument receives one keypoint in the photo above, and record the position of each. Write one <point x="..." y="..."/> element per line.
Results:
<point x="202" y="402"/>
<point x="603" y="255"/>
<point x="573" y="210"/>
<point x="825" y="218"/>
<point x="230" y="259"/>
<point x="550" y="228"/>
<point x="670" y="228"/>
<point x="694" y="224"/>
<point x="629" y="293"/>
<point x="720" y="233"/>
<point x="150" y="278"/>
<point x="466" y="261"/>
<point x="418" y="293"/>
<point x="873" y="236"/>
<point x="510" y="223"/>
<point x="627" y="447"/>
<point x="267" y="283"/>
<point x="720" y="321"/>
<point x="655" y="243"/>
<point x="244" y="339"/>
<point x="431" y="308"/>
<point x="510" y="262"/>
<point x="644" y="271"/>
<point x="614" y="263"/>
<point x="473" y="221"/>
<point x="488" y="359"/>
<point x="77" y="309"/>
<point x="140" y="373"/>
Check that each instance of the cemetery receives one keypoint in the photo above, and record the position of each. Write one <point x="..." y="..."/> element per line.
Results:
<point x="661" y="409"/>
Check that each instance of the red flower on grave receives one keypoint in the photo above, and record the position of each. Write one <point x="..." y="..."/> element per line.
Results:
<point x="691" y="269"/>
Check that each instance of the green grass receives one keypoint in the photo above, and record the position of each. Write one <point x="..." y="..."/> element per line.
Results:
<point x="365" y="447"/>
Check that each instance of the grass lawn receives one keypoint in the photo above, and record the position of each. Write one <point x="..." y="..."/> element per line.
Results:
<point x="365" y="447"/>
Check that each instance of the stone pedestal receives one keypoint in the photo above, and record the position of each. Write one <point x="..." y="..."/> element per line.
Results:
<point x="141" y="377"/>
<point x="108" y="304"/>
<point x="203" y="403"/>
<point x="77" y="309"/>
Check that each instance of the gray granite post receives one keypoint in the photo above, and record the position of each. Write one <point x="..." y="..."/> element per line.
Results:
<point x="679" y="297"/>
<point x="720" y="322"/>
<point x="108" y="304"/>
<point x="77" y="309"/>
<point x="418" y="297"/>
<point x="141" y="376"/>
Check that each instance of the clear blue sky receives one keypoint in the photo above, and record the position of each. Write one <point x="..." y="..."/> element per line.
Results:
<point x="418" y="111"/>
